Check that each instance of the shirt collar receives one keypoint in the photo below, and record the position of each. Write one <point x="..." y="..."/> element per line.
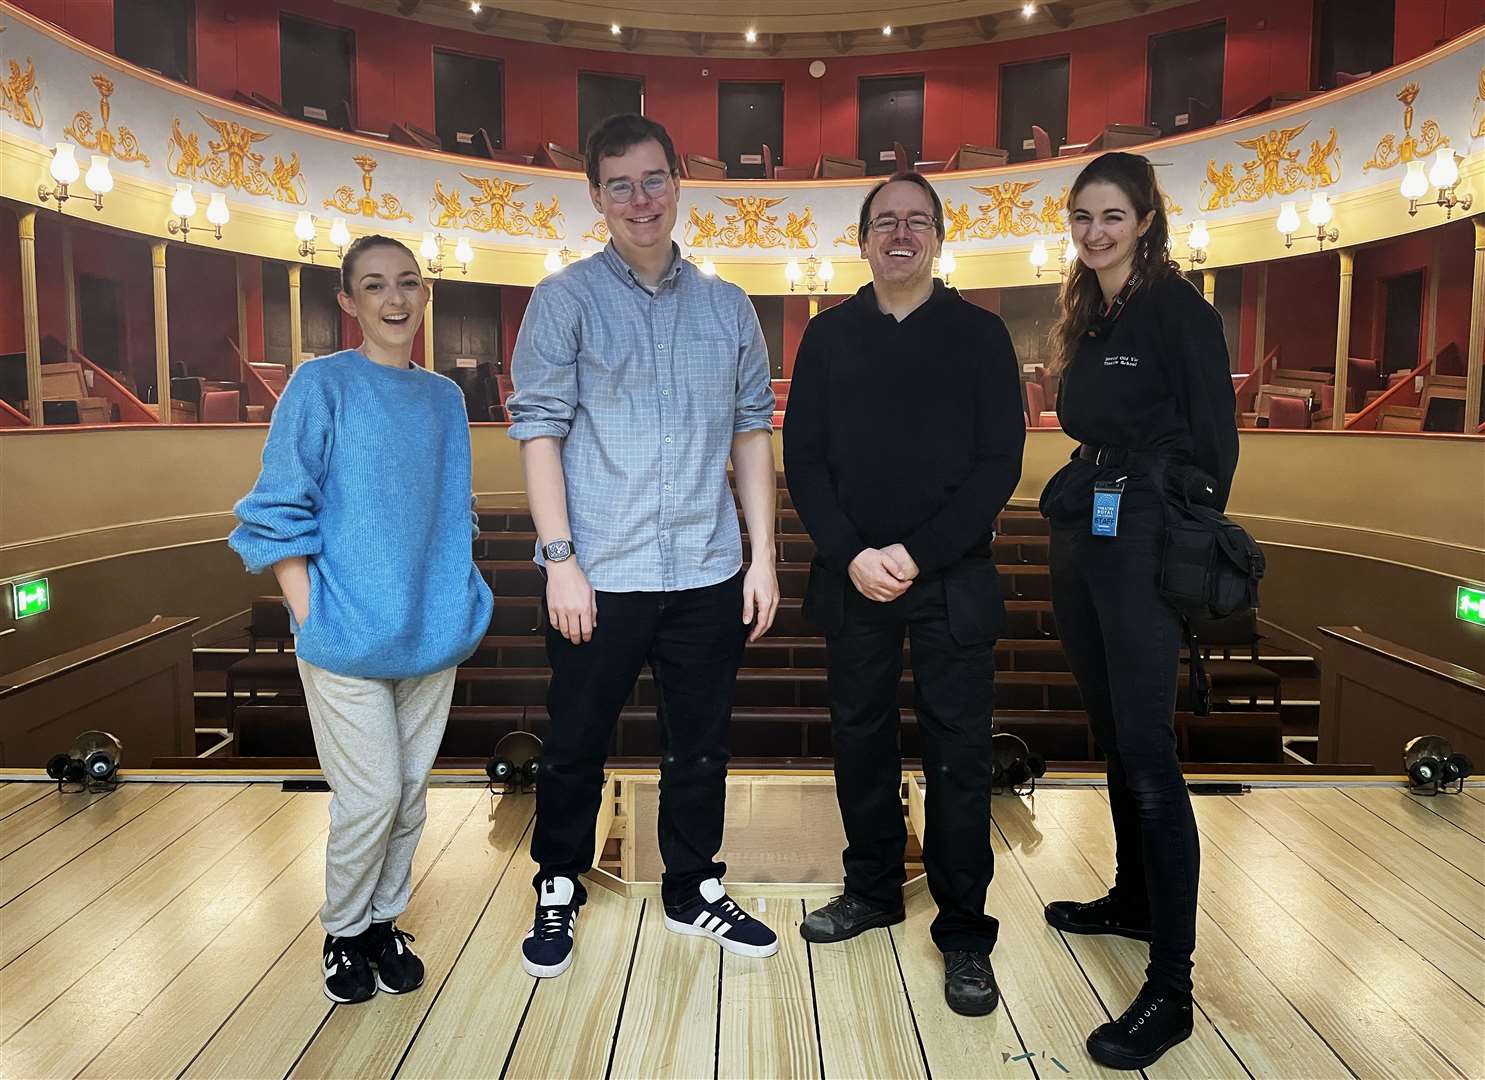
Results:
<point x="616" y="263"/>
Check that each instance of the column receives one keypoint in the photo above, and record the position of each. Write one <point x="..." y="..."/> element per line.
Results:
<point x="1209" y="286"/>
<point x="1260" y="318"/>
<point x="69" y="289"/>
<point x="242" y="327"/>
<point x="1342" y="340"/>
<point x="162" y="334"/>
<point x="1473" y="362"/>
<point x="30" y="319"/>
<point x="296" y="326"/>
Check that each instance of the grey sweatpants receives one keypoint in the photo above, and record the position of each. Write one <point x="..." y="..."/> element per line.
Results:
<point x="377" y="739"/>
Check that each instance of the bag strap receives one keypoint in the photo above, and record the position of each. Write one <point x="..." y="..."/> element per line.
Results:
<point x="1201" y="682"/>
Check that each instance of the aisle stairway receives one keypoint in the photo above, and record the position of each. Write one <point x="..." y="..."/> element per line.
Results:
<point x="781" y="704"/>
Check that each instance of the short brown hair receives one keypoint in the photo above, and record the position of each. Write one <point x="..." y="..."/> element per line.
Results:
<point x="621" y="132"/>
<point x="911" y="176"/>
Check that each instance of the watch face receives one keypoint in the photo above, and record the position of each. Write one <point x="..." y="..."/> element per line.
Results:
<point x="558" y="550"/>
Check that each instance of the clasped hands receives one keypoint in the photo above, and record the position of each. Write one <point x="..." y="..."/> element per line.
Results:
<point x="883" y="574"/>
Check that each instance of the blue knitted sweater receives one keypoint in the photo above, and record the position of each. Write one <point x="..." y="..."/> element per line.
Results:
<point x="366" y="471"/>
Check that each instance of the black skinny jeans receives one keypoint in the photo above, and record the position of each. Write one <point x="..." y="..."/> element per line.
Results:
<point x="1123" y="643"/>
<point x="693" y="641"/>
<point x="953" y="690"/>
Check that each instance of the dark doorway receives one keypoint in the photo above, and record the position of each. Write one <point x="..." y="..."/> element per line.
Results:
<point x="158" y="35"/>
<point x="319" y="314"/>
<point x="602" y="96"/>
<point x="1186" y="77"/>
<point x="276" y="314"/>
<point x="1033" y="93"/>
<point x="467" y="344"/>
<point x="889" y="110"/>
<point x="1402" y="324"/>
<point x="468" y="94"/>
<point x="1352" y="36"/>
<point x="749" y="114"/>
<point x="770" y="311"/>
<point x="100" y="321"/>
<point x="315" y="64"/>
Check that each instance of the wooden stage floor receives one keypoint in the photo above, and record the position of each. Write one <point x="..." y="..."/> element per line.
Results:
<point x="170" y="930"/>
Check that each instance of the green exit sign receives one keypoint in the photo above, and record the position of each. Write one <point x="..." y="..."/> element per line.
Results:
<point x="31" y="597"/>
<point x="1469" y="605"/>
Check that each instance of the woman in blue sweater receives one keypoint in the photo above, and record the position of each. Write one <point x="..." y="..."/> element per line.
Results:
<point x="363" y="512"/>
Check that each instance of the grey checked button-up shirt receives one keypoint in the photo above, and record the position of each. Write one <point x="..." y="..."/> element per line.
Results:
<point x="646" y="389"/>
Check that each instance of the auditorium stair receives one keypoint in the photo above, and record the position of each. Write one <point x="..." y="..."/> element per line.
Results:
<point x="1264" y="701"/>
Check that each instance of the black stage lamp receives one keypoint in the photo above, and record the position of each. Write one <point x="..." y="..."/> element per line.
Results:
<point x="512" y="762"/>
<point x="1432" y="764"/>
<point x="1013" y="765"/>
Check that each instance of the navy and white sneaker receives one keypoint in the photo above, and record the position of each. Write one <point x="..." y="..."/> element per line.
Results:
<point x="717" y="916"/>
<point x="547" y="950"/>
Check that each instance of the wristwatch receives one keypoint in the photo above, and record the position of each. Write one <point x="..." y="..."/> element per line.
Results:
<point x="557" y="551"/>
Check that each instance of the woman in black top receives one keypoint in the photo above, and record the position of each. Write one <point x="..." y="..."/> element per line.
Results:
<point x="1146" y="390"/>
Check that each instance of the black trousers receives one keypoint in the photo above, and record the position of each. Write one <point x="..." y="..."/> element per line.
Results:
<point x="693" y="641"/>
<point x="953" y="687"/>
<point x="1123" y="642"/>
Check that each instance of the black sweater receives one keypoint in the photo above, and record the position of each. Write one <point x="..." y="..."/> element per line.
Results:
<point x="905" y="432"/>
<point x="1159" y="381"/>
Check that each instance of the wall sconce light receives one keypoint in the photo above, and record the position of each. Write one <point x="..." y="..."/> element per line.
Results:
<point x="556" y="259"/>
<point x="815" y="274"/>
<point x="182" y="205"/>
<point x="1444" y="175"/>
<point x="1198" y="241"/>
<point x="340" y="236"/>
<point x="65" y="171"/>
<point x="432" y="252"/>
<point x="705" y="265"/>
<point x="947" y="264"/>
<point x="1320" y="214"/>
<point x="217" y="213"/>
<point x="304" y="230"/>
<point x="1038" y="255"/>
<point x="463" y="254"/>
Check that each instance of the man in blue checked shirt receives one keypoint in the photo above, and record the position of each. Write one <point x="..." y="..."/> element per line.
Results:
<point x="636" y="378"/>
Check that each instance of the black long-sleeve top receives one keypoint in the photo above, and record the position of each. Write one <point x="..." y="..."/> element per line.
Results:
<point x="1159" y="381"/>
<point x="903" y="432"/>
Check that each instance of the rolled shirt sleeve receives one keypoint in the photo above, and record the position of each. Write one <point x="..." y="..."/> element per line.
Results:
<point x="544" y="365"/>
<point x="755" y="398"/>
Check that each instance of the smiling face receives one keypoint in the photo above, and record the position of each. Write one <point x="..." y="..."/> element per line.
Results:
<point x="645" y="221"/>
<point x="902" y="257"/>
<point x="387" y="298"/>
<point x="1106" y="229"/>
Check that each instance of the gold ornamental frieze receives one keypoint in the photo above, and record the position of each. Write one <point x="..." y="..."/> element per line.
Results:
<point x="599" y="233"/>
<point x="1274" y="170"/>
<point x="231" y="162"/>
<point x="493" y="207"/>
<point x="751" y="225"/>
<point x="1477" y="131"/>
<point x="19" y="98"/>
<point x="1395" y="150"/>
<point x="387" y="207"/>
<point x="1010" y="212"/>
<point x="123" y="147"/>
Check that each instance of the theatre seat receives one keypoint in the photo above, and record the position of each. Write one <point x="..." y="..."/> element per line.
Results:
<point x="1288" y="412"/>
<point x="221" y="407"/>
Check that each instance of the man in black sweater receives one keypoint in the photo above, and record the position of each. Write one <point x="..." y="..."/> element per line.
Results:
<point x="902" y="442"/>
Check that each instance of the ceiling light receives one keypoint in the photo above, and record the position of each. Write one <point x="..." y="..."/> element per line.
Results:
<point x="887" y="30"/>
<point x="1028" y="10"/>
<point x="474" y="6"/>
<point x="614" y="29"/>
<point x="751" y="35"/>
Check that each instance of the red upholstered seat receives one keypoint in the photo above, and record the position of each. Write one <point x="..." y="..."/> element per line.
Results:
<point x="1042" y="140"/>
<point x="220" y="407"/>
<point x="1288" y="412"/>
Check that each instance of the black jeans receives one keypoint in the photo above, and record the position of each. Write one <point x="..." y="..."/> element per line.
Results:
<point x="953" y="688"/>
<point x="1123" y="643"/>
<point x="693" y="641"/>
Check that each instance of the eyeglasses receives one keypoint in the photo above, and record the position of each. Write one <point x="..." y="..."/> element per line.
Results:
<point x="654" y="185"/>
<point x="888" y="223"/>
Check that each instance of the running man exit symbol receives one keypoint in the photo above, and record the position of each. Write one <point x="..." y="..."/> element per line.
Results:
<point x="31" y="598"/>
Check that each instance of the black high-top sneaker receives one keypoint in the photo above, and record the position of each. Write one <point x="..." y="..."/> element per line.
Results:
<point x="347" y="972"/>
<point x="1154" y="1022"/>
<point x="1106" y="915"/>
<point x="398" y="968"/>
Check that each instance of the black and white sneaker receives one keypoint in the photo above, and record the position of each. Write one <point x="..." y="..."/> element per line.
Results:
<point x="347" y="972"/>
<point x="398" y="968"/>
<point x="716" y="916"/>
<point x="547" y="950"/>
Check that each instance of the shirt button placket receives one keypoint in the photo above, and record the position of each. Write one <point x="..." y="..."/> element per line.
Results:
<point x="665" y="370"/>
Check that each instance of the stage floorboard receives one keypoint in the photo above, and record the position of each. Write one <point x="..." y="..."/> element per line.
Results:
<point x="170" y="930"/>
